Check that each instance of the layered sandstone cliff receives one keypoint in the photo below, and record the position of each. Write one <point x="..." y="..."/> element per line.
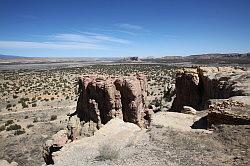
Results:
<point x="195" y="86"/>
<point x="103" y="98"/>
<point x="220" y="90"/>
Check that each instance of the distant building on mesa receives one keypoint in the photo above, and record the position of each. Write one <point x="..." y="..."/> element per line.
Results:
<point x="131" y="59"/>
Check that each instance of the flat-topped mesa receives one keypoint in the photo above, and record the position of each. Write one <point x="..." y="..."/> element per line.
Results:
<point x="105" y="97"/>
<point x="195" y="86"/>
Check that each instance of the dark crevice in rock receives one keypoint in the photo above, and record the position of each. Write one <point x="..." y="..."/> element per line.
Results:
<point x="200" y="124"/>
<point x="195" y="87"/>
<point x="48" y="158"/>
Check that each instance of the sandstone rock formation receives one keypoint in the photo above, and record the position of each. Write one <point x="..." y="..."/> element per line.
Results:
<point x="115" y="135"/>
<point x="214" y="88"/>
<point x="195" y="86"/>
<point x="232" y="112"/>
<point x="56" y="143"/>
<point x="103" y="98"/>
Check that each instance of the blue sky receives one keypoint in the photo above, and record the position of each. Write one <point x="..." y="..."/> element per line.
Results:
<point x="114" y="28"/>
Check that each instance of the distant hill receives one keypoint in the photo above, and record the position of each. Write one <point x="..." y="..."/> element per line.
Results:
<point x="10" y="56"/>
<point x="212" y="58"/>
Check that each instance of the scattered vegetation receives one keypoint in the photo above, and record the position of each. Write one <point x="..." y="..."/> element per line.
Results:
<point x="53" y="117"/>
<point x="2" y="128"/>
<point x="108" y="152"/>
<point x="8" y="122"/>
<point x="19" y="132"/>
<point x="13" y="127"/>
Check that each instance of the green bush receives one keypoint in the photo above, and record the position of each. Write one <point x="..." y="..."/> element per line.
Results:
<point x="53" y="117"/>
<point x="13" y="127"/>
<point x="2" y="128"/>
<point x="34" y="105"/>
<point x="15" y="96"/>
<point x="108" y="152"/>
<point x="35" y="120"/>
<point x="24" y="105"/>
<point x="8" y="122"/>
<point x="19" y="132"/>
<point x="8" y="106"/>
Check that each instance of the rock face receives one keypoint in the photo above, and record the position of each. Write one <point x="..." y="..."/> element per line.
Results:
<point x="103" y="98"/>
<point x="230" y="111"/>
<point x="56" y="143"/>
<point x="106" y="142"/>
<point x="195" y="86"/>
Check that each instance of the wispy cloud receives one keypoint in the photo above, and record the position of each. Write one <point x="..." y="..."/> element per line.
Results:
<point x="47" y="45"/>
<point x="130" y="26"/>
<point x="104" y="38"/>
<point x="89" y="37"/>
<point x="79" y="41"/>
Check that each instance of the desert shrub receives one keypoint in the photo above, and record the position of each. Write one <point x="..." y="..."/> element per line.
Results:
<point x="8" y="106"/>
<point x="108" y="152"/>
<point x="8" y="122"/>
<point x="19" y="132"/>
<point x="24" y="105"/>
<point x="15" y="96"/>
<point x="26" y="117"/>
<point x="156" y="103"/>
<point x="13" y="127"/>
<point x="53" y="117"/>
<point x="52" y="98"/>
<point x="35" y="120"/>
<point x="67" y="97"/>
<point x="30" y="125"/>
<point x="2" y="128"/>
<point x="34" y="105"/>
<point x="22" y="100"/>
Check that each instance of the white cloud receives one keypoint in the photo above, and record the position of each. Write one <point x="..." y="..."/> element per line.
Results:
<point x="89" y="37"/>
<point x="104" y="38"/>
<point x="47" y="45"/>
<point x="79" y="41"/>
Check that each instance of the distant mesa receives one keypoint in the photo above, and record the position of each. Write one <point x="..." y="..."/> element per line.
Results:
<point x="10" y="57"/>
<point x="131" y="59"/>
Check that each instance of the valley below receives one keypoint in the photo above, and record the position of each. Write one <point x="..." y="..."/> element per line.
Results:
<point x="124" y="113"/>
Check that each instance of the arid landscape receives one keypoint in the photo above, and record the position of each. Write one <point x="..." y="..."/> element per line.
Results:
<point x="44" y="110"/>
<point x="124" y="83"/>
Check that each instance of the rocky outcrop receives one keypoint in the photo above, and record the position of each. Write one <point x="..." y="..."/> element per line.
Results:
<point x="195" y="86"/>
<point x="104" y="97"/>
<point x="230" y="111"/>
<point x="56" y="143"/>
<point x="106" y="143"/>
